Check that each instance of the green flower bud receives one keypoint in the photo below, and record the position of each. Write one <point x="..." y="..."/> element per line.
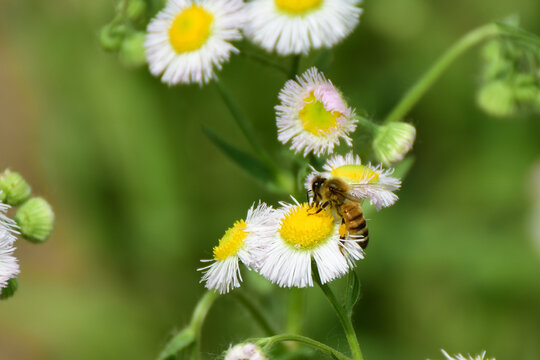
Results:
<point x="111" y="36"/>
<point x="393" y="141"/>
<point x="525" y="88"/>
<point x="136" y="10"/>
<point x="132" y="49"/>
<point x="9" y="289"/>
<point x="497" y="98"/>
<point x="35" y="219"/>
<point x="14" y="188"/>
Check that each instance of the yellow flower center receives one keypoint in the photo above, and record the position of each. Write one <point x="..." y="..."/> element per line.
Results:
<point x="190" y="29"/>
<point x="304" y="229"/>
<point x="297" y="7"/>
<point x="231" y="242"/>
<point x="315" y="118"/>
<point x="356" y="173"/>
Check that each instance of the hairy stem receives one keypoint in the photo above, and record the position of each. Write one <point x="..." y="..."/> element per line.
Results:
<point x="344" y="318"/>
<point x="269" y="342"/>
<point x="426" y="81"/>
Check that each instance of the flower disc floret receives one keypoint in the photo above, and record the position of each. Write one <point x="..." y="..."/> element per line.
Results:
<point x="232" y="241"/>
<point x="298" y="6"/>
<point x="191" y="28"/>
<point x="313" y="115"/>
<point x="303" y="228"/>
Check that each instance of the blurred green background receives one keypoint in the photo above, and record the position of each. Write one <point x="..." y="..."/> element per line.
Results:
<point x="141" y="194"/>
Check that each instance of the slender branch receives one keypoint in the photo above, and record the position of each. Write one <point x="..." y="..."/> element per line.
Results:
<point x="295" y="65"/>
<point x="256" y="313"/>
<point x="269" y="342"/>
<point x="265" y="61"/>
<point x="367" y="123"/>
<point x="344" y="318"/>
<point x="426" y="81"/>
<point x="295" y="311"/>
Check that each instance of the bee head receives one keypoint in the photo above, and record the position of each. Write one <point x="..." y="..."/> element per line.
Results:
<point x="317" y="183"/>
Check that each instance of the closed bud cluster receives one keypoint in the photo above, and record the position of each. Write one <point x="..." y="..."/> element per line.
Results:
<point x="14" y="189"/>
<point x="35" y="219"/>
<point x="510" y="83"/>
<point x="393" y="141"/>
<point x="10" y="289"/>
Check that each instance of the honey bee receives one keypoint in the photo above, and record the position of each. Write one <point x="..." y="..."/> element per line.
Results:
<point x="335" y="193"/>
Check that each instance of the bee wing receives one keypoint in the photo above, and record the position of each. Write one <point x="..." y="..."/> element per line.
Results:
<point x="380" y="195"/>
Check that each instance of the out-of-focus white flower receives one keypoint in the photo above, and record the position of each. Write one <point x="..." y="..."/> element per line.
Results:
<point x="297" y="26"/>
<point x="461" y="357"/>
<point x="9" y="267"/>
<point x="313" y="115"/>
<point x="303" y="234"/>
<point x="188" y="39"/>
<point x="240" y="242"/>
<point x="247" y="351"/>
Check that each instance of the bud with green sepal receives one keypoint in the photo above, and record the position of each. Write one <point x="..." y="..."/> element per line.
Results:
<point x="112" y="36"/>
<point x="393" y="141"/>
<point x="136" y="10"/>
<point x="10" y="289"/>
<point x="35" y="219"/>
<point x="497" y="98"/>
<point x="132" y="49"/>
<point x="15" y="190"/>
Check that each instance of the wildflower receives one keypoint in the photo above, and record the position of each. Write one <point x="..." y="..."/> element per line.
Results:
<point x="301" y="234"/>
<point x="367" y="181"/>
<point x="296" y="26"/>
<point x="393" y="141"/>
<point x="247" y="351"/>
<point x="8" y="263"/>
<point x="189" y="38"/>
<point x="313" y="114"/>
<point x="461" y="357"/>
<point x="240" y="242"/>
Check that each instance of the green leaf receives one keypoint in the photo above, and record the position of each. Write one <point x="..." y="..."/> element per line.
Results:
<point x="181" y="341"/>
<point x="352" y="293"/>
<point x="249" y="163"/>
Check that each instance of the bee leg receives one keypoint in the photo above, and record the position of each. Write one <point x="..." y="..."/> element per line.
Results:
<point x="321" y="208"/>
<point x="343" y="237"/>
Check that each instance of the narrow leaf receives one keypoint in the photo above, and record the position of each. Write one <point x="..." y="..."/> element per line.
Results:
<point x="249" y="163"/>
<point x="352" y="294"/>
<point x="181" y="341"/>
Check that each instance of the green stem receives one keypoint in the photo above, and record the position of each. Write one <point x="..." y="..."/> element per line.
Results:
<point x="344" y="318"/>
<point x="296" y="311"/>
<point x="265" y="61"/>
<point x="426" y="81"/>
<point x="367" y="123"/>
<point x="269" y="342"/>
<point x="295" y="65"/>
<point x="192" y="334"/>
<point x="255" y="311"/>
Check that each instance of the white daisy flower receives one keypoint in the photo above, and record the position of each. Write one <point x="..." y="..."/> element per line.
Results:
<point x="461" y="357"/>
<point x="9" y="267"/>
<point x="301" y="235"/>
<point x="240" y="242"/>
<point x="313" y="114"/>
<point x="189" y="38"/>
<point x="367" y="181"/>
<point x="296" y="26"/>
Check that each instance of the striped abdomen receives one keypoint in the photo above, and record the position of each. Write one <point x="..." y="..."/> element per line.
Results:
<point x="355" y="222"/>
